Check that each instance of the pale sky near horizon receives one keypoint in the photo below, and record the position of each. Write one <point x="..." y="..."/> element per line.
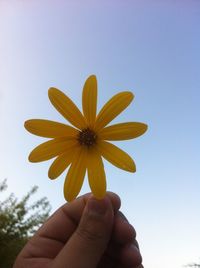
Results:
<point x="148" y="47"/>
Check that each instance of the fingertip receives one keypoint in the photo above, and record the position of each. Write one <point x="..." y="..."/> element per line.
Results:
<point x="130" y="256"/>
<point x="98" y="207"/>
<point x="123" y="232"/>
<point x="76" y="207"/>
<point x="115" y="199"/>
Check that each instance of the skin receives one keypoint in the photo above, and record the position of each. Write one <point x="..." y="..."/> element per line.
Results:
<point x="86" y="233"/>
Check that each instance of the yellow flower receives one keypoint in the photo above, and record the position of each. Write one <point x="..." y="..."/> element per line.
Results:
<point x="82" y="147"/>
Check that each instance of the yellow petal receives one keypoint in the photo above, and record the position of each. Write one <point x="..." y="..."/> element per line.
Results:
<point x="123" y="131"/>
<point x="67" y="108"/>
<point x="75" y="175"/>
<point x="50" y="149"/>
<point x="61" y="163"/>
<point x="49" y="129"/>
<point x="96" y="174"/>
<point x="112" y="108"/>
<point x="116" y="156"/>
<point x="89" y="99"/>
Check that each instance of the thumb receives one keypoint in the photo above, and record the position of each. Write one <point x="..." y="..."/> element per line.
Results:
<point x="88" y="243"/>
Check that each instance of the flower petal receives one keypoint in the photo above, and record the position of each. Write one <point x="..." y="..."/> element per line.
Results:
<point x="112" y="108"/>
<point x="50" y="149"/>
<point x="49" y="129"/>
<point x="89" y="99"/>
<point x="67" y="108"/>
<point x="116" y="156"/>
<point x="123" y="131"/>
<point x="61" y="163"/>
<point x="75" y="175"/>
<point x="96" y="174"/>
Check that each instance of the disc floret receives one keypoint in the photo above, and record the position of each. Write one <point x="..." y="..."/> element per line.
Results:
<point x="87" y="137"/>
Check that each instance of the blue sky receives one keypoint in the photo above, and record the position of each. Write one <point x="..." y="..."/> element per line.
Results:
<point x="148" y="47"/>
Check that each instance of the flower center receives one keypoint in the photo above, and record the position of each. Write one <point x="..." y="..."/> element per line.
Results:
<point x="87" y="137"/>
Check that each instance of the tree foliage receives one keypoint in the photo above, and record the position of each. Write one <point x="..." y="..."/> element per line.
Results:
<point x="18" y="222"/>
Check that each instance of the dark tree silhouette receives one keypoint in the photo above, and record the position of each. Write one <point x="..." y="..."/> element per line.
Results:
<point x="193" y="265"/>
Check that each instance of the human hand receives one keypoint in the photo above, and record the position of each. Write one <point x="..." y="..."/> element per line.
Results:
<point x="86" y="233"/>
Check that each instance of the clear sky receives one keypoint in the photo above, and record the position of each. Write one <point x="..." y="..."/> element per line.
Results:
<point x="149" y="47"/>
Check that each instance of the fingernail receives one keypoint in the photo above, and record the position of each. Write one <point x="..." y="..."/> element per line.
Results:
<point x="97" y="207"/>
